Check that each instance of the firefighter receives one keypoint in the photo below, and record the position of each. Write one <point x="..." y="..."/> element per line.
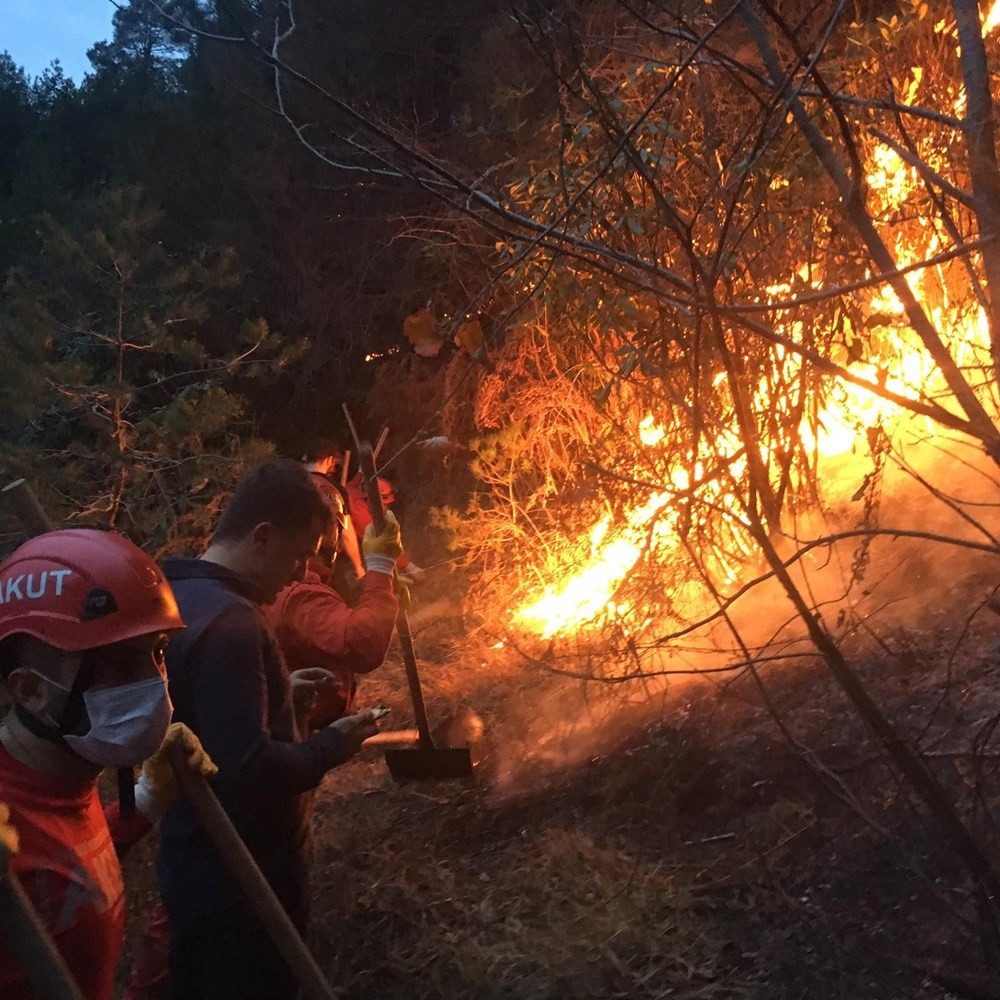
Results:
<point x="324" y="458"/>
<point x="318" y="631"/>
<point x="84" y="619"/>
<point x="228" y="681"/>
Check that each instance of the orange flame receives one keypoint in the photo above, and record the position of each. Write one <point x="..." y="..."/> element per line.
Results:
<point x="586" y="594"/>
<point x="589" y="593"/>
<point x="992" y="18"/>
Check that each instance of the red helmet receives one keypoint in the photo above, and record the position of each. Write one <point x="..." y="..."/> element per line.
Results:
<point x="385" y="488"/>
<point x="357" y="492"/>
<point x="79" y="588"/>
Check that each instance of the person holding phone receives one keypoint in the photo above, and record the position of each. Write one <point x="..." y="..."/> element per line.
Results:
<point x="229" y="682"/>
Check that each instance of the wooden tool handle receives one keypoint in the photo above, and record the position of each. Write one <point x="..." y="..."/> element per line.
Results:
<point x="369" y="477"/>
<point x="413" y="678"/>
<point x="374" y="494"/>
<point x="22" y="930"/>
<point x="244" y="869"/>
<point x="380" y="443"/>
<point x="29" y="511"/>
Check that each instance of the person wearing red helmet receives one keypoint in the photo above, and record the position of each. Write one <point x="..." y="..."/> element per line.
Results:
<point x="320" y="632"/>
<point x="324" y="457"/>
<point x="84" y="618"/>
<point x="229" y="682"/>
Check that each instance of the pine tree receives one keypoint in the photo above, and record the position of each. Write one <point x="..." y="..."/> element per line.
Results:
<point x="119" y="371"/>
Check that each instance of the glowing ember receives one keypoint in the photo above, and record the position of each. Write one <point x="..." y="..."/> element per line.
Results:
<point x="384" y="354"/>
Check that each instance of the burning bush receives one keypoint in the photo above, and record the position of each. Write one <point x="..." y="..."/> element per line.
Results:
<point x="641" y="433"/>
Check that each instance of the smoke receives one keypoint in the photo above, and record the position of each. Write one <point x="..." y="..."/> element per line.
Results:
<point x="922" y="501"/>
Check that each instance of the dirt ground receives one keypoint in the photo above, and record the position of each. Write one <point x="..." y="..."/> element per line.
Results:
<point x="681" y="847"/>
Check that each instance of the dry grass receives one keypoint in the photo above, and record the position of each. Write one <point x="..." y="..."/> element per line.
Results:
<point x="552" y="913"/>
<point x="683" y="852"/>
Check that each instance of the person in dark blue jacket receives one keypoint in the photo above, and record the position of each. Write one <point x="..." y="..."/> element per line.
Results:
<point x="229" y="684"/>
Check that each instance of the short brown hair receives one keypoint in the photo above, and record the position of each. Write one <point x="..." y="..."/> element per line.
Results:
<point x="281" y="493"/>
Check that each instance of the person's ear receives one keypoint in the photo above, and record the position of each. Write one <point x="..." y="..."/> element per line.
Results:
<point x="28" y="689"/>
<point x="261" y="533"/>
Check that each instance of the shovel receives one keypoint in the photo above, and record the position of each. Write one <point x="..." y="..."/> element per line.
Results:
<point x="424" y="761"/>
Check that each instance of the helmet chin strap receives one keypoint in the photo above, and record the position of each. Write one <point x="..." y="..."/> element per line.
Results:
<point x="35" y="726"/>
<point x="73" y="711"/>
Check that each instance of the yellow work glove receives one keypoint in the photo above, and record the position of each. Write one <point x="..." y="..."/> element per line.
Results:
<point x="156" y="790"/>
<point x="386" y="543"/>
<point x="9" y="842"/>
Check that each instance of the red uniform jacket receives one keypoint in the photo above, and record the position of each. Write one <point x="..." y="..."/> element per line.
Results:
<point x="69" y="868"/>
<point x="317" y="628"/>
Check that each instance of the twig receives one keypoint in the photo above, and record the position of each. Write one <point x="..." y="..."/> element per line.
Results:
<point x="709" y="840"/>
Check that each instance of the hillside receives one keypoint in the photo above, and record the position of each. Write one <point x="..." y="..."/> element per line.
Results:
<point x="681" y="847"/>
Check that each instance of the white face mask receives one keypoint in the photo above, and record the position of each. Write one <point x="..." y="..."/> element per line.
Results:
<point x="127" y="723"/>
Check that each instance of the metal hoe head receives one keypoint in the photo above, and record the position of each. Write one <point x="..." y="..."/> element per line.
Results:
<point x="429" y="764"/>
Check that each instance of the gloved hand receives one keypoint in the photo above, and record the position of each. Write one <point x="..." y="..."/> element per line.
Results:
<point x="156" y="790"/>
<point x="9" y="842"/>
<point x="384" y="546"/>
<point x="412" y="576"/>
<point x="306" y="684"/>
<point x="354" y="730"/>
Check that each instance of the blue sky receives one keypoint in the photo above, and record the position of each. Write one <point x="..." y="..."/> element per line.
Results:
<point x="35" y="32"/>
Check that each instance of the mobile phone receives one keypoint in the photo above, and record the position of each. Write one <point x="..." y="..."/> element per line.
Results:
<point x="379" y="711"/>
